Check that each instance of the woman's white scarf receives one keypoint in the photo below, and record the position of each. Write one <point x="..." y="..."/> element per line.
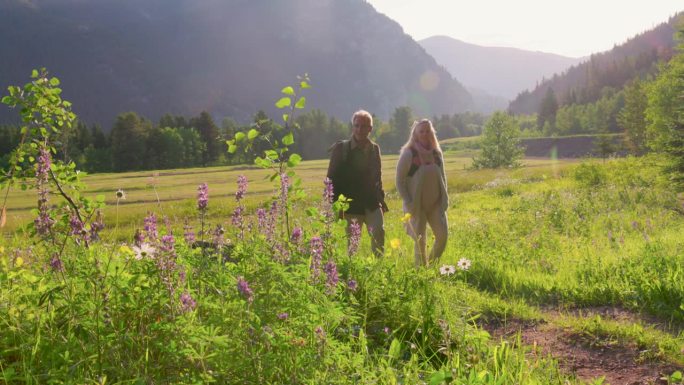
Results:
<point x="425" y="155"/>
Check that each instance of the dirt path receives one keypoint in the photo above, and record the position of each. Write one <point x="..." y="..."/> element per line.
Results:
<point x="587" y="360"/>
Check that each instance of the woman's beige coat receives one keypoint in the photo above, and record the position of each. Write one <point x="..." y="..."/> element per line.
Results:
<point x="410" y="188"/>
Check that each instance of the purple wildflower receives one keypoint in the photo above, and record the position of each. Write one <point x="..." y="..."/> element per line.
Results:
<point x="76" y="225"/>
<point x="44" y="162"/>
<point x="151" y="227"/>
<point x="283" y="316"/>
<point x="316" y="257"/>
<point x="44" y="222"/>
<point x="261" y="217"/>
<point x="96" y="226"/>
<point x="328" y="192"/>
<point x="188" y="234"/>
<point x="280" y="252"/>
<point x="354" y="236"/>
<point x="271" y="222"/>
<point x="244" y="289"/>
<point x="202" y="197"/>
<point x="284" y="187"/>
<point x="78" y="229"/>
<point x="332" y="277"/>
<point x="56" y="264"/>
<point x="182" y="275"/>
<point x="168" y="243"/>
<point x="138" y="238"/>
<point x="242" y="187"/>
<point x="296" y="236"/>
<point x="237" y="219"/>
<point x="187" y="302"/>
<point x="352" y="285"/>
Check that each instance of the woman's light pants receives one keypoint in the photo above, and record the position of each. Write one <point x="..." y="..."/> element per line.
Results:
<point x="438" y="223"/>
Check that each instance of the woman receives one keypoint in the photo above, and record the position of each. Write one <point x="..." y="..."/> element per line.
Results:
<point x="421" y="182"/>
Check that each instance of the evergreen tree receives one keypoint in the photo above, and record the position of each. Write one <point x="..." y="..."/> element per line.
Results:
<point x="193" y="147"/>
<point x="547" y="111"/>
<point x="209" y="132"/>
<point x="128" y="142"/>
<point x="632" y="117"/>
<point x="665" y="114"/>
<point x="99" y="137"/>
<point x="500" y="143"/>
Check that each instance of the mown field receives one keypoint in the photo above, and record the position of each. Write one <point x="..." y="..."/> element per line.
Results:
<point x="173" y="192"/>
<point x="569" y="259"/>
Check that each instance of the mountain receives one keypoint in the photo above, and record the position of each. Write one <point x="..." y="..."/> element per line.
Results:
<point x="500" y="72"/>
<point x="585" y="82"/>
<point x="230" y="57"/>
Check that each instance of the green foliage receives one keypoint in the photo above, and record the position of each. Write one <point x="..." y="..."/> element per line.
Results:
<point x="500" y="143"/>
<point x="546" y="117"/>
<point x="590" y="175"/>
<point x="128" y="138"/>
<point x="632" y="117"/>
<point x="45" y="116"/>
<point x="665" y="113"/>
<point x="209" y="132"/>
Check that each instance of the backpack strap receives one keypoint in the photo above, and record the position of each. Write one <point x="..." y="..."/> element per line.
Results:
<point x="414" y="164"/>
<point x="346" y="148"/>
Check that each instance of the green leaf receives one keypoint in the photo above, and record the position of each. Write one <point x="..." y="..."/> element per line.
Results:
<point x="261" y="162"/>
<point x="301" y="103"/>
<point x="283" y="102"/>
<point x="440" y="377"/>
<point x="54" y="82"/>
<point x="240" y="136"/>
<point x="294" y="160"/>
<point x="232" y="148"/>
<point x="304" y="84"/>
<point x="288" y="91"/>
<point x="395" y="349"/>
<point x="286" y="117"/>
<point x="271" y="154"/>
<point x="34" y="73"/>
<point x="288" y="139"/>
<point x="7" y="99"/>
<point x="252" y="134"/>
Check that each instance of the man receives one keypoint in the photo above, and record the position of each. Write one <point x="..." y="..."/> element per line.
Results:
<point x="355" y="171"/>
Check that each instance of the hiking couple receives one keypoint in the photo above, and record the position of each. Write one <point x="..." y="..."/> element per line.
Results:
<point x="355" y="170"/>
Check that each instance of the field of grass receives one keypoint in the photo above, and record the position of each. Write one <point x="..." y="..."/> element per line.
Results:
<point x="589" y="251"/>
<point x="173" y="192"/>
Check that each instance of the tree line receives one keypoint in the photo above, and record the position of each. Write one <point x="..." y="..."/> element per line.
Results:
<point x="136" y="143"/>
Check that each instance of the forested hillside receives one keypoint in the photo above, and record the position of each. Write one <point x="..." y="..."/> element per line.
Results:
<point x="228" y="57"/>
<point x="585" y="82"/>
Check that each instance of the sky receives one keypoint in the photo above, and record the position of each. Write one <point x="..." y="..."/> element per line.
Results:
<point x="574" y="28"/>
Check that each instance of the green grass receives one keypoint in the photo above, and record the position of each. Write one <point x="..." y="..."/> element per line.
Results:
<point x="548" y="235"/>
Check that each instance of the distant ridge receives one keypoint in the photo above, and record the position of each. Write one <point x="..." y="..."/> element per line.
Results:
<point x="498" y="71"/>
<point x="229" y="57"/>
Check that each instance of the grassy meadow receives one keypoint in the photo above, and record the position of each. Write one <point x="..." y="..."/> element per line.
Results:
<point x="549" y="244"/>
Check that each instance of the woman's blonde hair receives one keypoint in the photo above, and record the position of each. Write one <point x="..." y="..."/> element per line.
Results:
<point x="414" y="131"/>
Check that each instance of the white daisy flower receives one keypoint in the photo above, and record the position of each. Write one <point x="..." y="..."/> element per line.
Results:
<point x="463" y="264"/>
<point x="144" y="251"/>
<point x="447" y="269"/>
